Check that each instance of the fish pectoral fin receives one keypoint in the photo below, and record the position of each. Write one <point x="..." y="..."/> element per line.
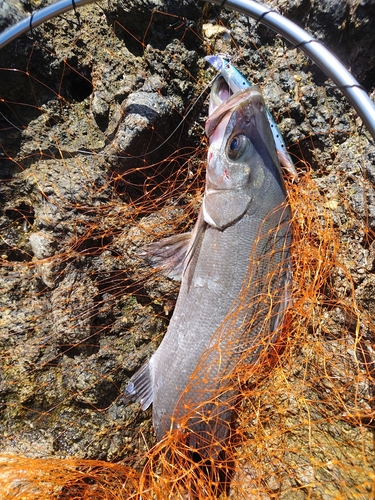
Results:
<point x="169" y="254"/>
<point x="221" y="208"/>
<point x="139" y="388"/>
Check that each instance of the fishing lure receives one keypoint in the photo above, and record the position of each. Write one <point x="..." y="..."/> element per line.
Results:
<point x="238" y="82"/>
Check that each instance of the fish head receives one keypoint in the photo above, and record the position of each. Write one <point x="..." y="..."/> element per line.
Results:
<point x="242" y="165"/>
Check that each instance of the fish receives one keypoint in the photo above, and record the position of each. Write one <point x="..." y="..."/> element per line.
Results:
<point x="237" y="82"/>
<point x="235" y="279"/>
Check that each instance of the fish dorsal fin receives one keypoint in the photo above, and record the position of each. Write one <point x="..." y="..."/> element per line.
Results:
<point x="169" y="254"/>
<point x="221" y="208"/>
<point x="139" y="388"/>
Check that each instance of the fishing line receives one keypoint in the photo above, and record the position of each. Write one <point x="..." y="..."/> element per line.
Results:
<point x="78" y="16"/>
<point x="31" y="26"/>
<point x="91" y="153"/>
<point x="340" y="87"/>
<point x="305" y="42"/>
<point x="10" y="123"/>
<point x="263" y="16"/>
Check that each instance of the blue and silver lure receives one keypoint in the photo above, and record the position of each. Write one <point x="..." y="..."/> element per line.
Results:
<point x="236" y="83"/>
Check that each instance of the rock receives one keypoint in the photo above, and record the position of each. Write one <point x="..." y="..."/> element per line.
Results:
<point x="99" y="156"/>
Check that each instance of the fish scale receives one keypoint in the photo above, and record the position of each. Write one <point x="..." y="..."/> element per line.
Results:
<point x="208" y="312"/>
<point x="235" y="279"/>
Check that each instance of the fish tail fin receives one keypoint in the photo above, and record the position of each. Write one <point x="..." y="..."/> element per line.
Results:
<point x="140" y="387"/>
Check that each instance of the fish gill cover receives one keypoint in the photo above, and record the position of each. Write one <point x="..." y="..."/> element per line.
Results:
<point x="103" y="151"/>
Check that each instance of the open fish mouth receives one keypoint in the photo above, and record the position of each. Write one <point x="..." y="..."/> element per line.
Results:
<point x="223" y="102"/>
<point x="235" y="83"/>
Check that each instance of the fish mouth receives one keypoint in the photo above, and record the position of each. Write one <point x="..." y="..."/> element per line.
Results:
<point x="220" y="92"/>
<point x="224" y="103"/>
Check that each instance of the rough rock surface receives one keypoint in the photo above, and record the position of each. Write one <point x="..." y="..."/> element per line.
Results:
<point x="86" y="135"/>
<point x="347" y="28"/>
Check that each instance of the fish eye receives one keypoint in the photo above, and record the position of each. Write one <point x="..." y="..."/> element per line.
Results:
<point x="236" y="146"/>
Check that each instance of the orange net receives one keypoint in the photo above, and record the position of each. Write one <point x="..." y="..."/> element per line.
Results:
<point x="103" y="151"/>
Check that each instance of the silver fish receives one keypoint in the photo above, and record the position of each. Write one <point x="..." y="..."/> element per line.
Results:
<point x="235" y="268"/>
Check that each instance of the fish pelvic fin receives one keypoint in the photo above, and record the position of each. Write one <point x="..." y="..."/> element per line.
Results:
<point x="139" y="388"/>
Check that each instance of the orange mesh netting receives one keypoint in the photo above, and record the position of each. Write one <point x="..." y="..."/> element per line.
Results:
<point x="102" y="152"/>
